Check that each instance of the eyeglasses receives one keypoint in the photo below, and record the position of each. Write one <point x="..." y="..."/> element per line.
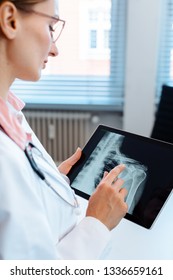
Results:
<point x="57" y="27"/>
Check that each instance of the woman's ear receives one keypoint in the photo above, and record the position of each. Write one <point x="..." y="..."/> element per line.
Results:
<point x="8" y="20"/>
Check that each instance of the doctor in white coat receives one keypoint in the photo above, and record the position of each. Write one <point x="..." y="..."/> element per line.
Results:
<point x="38" y="209"/>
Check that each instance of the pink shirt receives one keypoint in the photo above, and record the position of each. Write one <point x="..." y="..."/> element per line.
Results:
<point x="10" y="122"/>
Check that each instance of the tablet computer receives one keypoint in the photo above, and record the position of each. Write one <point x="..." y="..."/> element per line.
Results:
<point x="148" y="175"/>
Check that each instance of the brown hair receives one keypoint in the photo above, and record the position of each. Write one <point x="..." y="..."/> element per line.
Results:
<point x="23" y="4"/>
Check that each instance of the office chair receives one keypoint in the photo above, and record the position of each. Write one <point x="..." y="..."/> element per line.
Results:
<point x="163" y="126"/>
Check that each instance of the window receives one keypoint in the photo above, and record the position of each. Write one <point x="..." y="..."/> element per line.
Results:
<point x="106" y="39"/>
<point x="93" y="39"/>
<point x="97" y="19"/>
<point x="165" y="60"/>
<point x="89" y="70"/>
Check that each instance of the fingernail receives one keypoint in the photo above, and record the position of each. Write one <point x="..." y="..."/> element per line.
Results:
<point x="122" y="165"/>
<point x="78" y="149"/>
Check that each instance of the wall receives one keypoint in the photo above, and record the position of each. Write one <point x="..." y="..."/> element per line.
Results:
<point x="141" y="65"/>
<point x="113" y="119"/>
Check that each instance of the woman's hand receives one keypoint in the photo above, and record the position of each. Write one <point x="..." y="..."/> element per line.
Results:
<point x="66" y="165"/>
<point x="107" y="202"/>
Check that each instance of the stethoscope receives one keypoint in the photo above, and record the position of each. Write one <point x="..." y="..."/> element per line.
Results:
<point x="29" y="155"/>
<point x="28" y="152"/>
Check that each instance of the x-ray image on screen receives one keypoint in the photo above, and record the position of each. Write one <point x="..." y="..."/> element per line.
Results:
<point x="148" y="175"/>
<point x="106" y="155"/>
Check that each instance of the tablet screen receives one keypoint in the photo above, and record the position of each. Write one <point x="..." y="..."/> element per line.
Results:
<point x="148" y="175"/>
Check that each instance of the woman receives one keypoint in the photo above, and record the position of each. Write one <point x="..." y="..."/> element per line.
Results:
<point x="38" y="209"/>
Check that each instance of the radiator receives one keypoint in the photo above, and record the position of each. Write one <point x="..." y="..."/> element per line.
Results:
<point x="60" y="132"/>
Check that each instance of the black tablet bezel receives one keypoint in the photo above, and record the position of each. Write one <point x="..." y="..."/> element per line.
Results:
<point x="90" y="146"/>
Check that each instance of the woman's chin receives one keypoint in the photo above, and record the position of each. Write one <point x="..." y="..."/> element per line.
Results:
<point x="33" y="77"/>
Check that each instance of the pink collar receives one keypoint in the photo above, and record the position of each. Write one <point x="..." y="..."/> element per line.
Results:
<point x="9" y="122"/>
<point x="17" y="103"/>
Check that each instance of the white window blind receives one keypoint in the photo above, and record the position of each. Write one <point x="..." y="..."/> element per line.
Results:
<point x="165" y="60"/>
<point x="89" y="71"/>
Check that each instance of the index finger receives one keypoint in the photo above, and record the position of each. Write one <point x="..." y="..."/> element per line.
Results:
<point x="113" y="174"/>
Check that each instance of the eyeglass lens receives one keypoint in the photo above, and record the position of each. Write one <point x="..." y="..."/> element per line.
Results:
<point x="58" y="27"/>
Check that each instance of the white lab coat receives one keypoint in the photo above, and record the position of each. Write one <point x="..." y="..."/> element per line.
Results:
<point x="35" y="221"/>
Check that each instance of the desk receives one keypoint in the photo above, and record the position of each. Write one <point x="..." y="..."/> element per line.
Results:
<point x="132" y="242"/>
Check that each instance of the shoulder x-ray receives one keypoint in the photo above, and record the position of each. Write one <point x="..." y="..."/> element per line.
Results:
<point x="106" y="156"/>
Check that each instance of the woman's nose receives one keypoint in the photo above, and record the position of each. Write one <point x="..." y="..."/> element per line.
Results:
<point x="54" y="50"/>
